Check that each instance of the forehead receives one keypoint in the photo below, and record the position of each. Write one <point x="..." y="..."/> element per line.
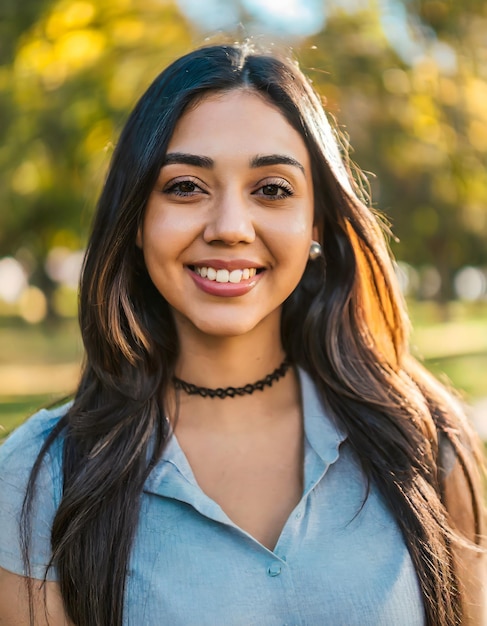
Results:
<point x="238" y="121"/>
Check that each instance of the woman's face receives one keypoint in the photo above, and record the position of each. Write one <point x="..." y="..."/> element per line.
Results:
<point x="228" y="226"/>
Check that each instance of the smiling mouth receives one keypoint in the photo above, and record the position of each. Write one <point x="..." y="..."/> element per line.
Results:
<point x="224" y="275"/>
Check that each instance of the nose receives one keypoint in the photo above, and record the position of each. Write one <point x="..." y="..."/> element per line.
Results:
<point x="230" y="221"/>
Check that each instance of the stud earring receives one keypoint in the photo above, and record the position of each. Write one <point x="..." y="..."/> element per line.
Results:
<point x="315" y="250"/>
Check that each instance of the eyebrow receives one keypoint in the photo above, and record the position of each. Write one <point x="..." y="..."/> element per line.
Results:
<point x="197" y="160"/>
<point x="188" y="159"/>
<point x="275" y="159"/>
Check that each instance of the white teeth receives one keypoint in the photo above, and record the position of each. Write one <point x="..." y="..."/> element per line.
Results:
<point x="235" y="276"/>
<point x="224" y="276"/>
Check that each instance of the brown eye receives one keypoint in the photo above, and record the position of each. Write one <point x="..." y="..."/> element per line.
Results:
<point x="183" y="189"/>
<point x="186" y="186"/>
<point x="271" y="190"/>
<point x="275" y="191"/>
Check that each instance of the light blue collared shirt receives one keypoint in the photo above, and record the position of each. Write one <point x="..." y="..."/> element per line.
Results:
<point x="336" y="563"/>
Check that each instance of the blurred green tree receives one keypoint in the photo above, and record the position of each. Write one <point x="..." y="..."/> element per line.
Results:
<point x="420" y="124"/>
<point x="71" y="71"/>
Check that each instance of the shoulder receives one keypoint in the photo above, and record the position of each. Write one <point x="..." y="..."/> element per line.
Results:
<point x="460" y="473"/>
<point x="22" y="447"/>
<point x="20" y="451"/>
<point x="17" y="458"/>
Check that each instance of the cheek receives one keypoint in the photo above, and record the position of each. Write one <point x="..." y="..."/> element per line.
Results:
<point x="164" y="236"/>
<point x="291" y="237"/>
<point x="160" y="217"/>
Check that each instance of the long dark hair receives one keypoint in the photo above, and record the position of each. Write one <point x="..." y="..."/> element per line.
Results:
<point x="344" y="324"/>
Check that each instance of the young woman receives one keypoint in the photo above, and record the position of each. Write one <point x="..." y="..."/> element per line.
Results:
<point x="251" y="442"/>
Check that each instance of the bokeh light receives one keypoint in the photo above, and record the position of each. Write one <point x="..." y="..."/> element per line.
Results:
<point x="290" y="17"/>
<point x="13" y="279"/>
<point x="470" y="284"/>
<point x="278" y="17"/>
<point x="64" y="266"/>
<point x="33" y="305"/>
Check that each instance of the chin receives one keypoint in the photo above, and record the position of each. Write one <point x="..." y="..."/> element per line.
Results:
<point x="232" y="323"/>
<point x="230" y="329"/>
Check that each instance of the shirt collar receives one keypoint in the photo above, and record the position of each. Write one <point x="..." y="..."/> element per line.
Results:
<point x="322" y="433"/>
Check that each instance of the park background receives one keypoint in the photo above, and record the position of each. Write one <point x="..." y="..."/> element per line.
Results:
<point x="406" y="81"/>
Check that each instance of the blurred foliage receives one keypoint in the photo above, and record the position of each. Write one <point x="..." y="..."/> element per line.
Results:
<point x="65" y="88"/>
<point x="421" y="126"/>
<point x="70" y="70"/>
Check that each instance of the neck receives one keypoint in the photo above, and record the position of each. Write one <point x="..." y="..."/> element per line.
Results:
<point x="231" y="362"/>
<point x="241" y="413"/>
<point x="228" y="361"/>
<point x="233" y="392"/>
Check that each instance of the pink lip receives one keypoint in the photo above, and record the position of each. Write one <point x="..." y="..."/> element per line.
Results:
<point x="228" y="290"/>
<point x="227" y="264"/>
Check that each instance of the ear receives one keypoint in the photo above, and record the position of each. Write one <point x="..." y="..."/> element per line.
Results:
<point x="316" y="233"/>
<point x="138" y="239"/>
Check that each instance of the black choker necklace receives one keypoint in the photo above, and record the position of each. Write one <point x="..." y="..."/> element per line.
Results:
<point x="231" y="392"/>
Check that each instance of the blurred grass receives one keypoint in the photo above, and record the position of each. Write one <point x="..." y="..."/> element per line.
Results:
<point x="42" y="344"/>
<point x="14" y="409"/>
<point x="452" y="343"/>
<point x="467" y="373"/>
<point x="28" y="355"/>
<point x="38" y="364"/>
